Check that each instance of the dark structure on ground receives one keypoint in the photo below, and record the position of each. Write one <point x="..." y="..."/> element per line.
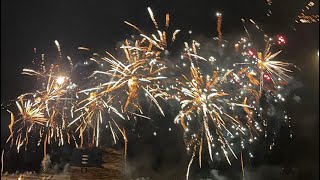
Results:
<point x="96" y="163"/>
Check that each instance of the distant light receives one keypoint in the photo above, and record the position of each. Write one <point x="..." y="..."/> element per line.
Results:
<point x="266" y="76"/>
<point x="218" y="14"/>
<point x="250" y="53"/>
<point x="281" y="40"/>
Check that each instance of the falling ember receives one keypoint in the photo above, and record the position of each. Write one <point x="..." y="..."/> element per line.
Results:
<point x="242" y="167"/>
<point x="269" y="2"/>
<point x="125" y="146"/>
<point x="219" y="23"/>
<point x="45" y="149"/>
<point x="84" y="48"/>
<point x="2" y="161"/>
<point x="236" y="46"/>
<point x="58" y="46"/>
<point x="189" y="165"/>
<point x="152" y="17"/>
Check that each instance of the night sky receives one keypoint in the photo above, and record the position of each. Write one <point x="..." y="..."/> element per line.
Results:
<point x="99" y="25"/>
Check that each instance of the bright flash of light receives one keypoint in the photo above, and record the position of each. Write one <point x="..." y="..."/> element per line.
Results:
<point x="61" y="80"/>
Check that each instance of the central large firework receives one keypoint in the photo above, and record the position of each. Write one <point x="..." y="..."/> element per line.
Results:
<point x="204" y="99"/>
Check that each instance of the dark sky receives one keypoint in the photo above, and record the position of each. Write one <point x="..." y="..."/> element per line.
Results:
<point x="99" y="25"/>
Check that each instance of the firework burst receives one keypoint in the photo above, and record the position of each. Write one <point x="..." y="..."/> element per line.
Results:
<point x="43" y="112"/>
<point x="209" y="110"/>
<point x="219" y="107"/>
<point x="140" y="73"/>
